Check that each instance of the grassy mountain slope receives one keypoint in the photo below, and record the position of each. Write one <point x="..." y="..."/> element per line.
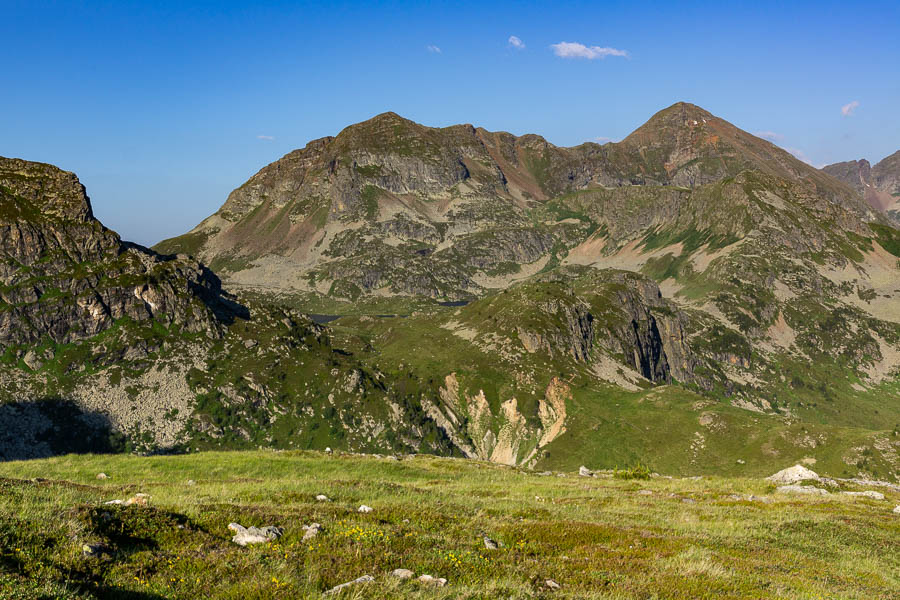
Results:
<point x="602" y="537"/>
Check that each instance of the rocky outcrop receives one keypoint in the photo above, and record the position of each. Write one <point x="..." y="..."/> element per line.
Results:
<point x="505" y="436"/>
<point x="65" y="277"/>
<point x="619" y="313"/>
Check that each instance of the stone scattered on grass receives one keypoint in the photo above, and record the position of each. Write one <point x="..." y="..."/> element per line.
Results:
<point x="897" y="509"/>
<point x="136" y="500"/>
<point x="866" y="494"/>
<point x="802" y="489"/>
<point x="552" y="585"/>
<point x="323" y="498"/>
<point x="254" y="535"/>
<point x="585" y="472"/>
<point x="93" y="549"/>
<point x="328" y="450"/>
<point x="311" y="531"/>
<point x="402" y="574"/>
<point x="645" y="492"/>
<point x="763" y="499"/>
<point x="435" y="581"/>
<point x="102" y="476"/>
<point x="491" y="544"/>
<point x="365" y="509"/>
<point x="338" y="588"/>
<point x="191" y="482"/>
<point x="794" y="474"/>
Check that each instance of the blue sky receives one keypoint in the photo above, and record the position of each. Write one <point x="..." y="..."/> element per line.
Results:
<point x="163" y="108"/>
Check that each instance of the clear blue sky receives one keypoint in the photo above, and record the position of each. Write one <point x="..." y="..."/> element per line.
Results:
<point x="159" y="107"/>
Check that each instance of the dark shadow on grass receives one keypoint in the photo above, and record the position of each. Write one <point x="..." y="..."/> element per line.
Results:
<point x="51" y="427"/>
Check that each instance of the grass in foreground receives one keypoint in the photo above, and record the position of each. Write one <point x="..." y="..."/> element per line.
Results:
<point x="604" y="537"/>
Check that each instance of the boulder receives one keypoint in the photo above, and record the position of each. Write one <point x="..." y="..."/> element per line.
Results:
<point x="585" y="472"/>
<point x="792" y="475"/>
<point x="365" y="509"/>
<point x="311" y="531"/>
<point x="254" y="535"/>
<point x="402" y="574"/>
<point x="435" y="581"/>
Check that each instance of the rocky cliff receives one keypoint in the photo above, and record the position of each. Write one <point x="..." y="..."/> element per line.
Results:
<point x="65" y="277"/>
<point x="879" y="185"/>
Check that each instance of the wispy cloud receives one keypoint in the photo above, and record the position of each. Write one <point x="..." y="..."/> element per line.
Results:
<point x="848" y="109"/>
<point x="268" y="138"/>
<point x="800" y="155"/>
<point x="576" y="50"/>
<point x="769" y="135"/>
<point x="515" y="42"/>
<point x="433" y="49"/>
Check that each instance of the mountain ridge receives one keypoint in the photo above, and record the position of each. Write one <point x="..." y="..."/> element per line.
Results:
<point x="750" y="313"/>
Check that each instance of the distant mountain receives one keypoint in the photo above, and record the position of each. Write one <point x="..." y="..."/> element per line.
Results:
<point x="879" y="185"/>
<point x="693" y="297"/>
<point x="390" y="207"/>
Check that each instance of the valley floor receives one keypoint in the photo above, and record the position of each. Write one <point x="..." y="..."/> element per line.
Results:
<point x="597" y="537"/>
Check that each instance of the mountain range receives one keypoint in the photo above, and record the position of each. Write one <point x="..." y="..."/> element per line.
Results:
<point x="692" y="297"/>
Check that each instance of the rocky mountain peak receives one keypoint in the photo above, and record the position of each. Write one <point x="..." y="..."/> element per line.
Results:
<point x="879" y="185"/>
<point x="64" y="276"/>
<point x="37" y="189"/>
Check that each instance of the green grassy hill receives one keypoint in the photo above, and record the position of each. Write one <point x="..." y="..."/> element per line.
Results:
<point x="602" y="537"/>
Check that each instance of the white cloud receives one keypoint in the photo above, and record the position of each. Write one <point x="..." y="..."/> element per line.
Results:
<point x="268" y="138"/>
<point x="847" y="109"/>
<point x="769" y="135"/>
<point x="576" y="50"/>
<point x="433" y="49"/>
<point x="516" y="43"/>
